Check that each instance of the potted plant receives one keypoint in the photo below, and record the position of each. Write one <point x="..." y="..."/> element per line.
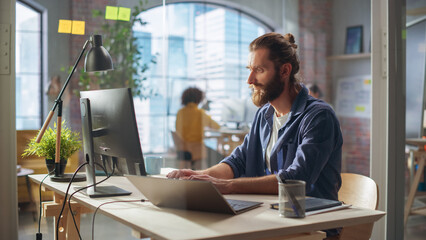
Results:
<point x="70" y="143"/>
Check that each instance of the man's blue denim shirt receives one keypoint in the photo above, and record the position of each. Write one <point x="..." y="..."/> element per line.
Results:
<point x="309" y="147"/>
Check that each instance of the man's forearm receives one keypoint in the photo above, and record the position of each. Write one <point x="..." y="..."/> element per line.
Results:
<point x="257" y="185"/>
<point x="221" y="170"/>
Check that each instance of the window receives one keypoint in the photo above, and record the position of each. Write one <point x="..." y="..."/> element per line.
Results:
<point x="206" y="46"/>
<point x="28" y="67"/>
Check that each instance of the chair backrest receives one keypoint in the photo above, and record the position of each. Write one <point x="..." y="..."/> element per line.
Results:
<point x="178" y="141"/>
<point x="359" y="191"/>
<point x="196" y="149"/>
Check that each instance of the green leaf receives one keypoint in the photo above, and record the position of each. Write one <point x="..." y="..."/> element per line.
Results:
<point x="70" y="143"/>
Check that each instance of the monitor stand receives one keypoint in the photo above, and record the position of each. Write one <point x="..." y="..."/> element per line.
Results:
<point x="66" y="177"/>
<point x="105" y="191"/>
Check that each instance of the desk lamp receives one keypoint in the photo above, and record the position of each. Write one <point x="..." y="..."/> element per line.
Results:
<point x="97" y="59"/>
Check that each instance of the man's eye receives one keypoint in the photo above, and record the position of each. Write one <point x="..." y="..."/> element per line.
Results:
<point x="259" y="70"/>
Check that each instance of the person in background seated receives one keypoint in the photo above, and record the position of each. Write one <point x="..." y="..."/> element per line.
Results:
<point x="314" y="90"/>
<point x="293" y="135"/>
<point x="190" y="124"/>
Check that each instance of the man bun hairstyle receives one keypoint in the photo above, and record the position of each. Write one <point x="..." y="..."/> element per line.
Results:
<point x="282" y="49"/>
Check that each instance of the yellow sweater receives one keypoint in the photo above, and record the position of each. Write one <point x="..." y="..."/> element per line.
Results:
<point x="190" y="123"/>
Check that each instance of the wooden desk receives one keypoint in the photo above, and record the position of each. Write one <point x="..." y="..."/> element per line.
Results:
<point x="261" y="223"/>
<point x="227" y="139"/>
<point x="420" y="154"/>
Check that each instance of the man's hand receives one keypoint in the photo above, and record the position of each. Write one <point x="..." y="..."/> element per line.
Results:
<point x="182" y="173"/>
<point x="223" y="185"/>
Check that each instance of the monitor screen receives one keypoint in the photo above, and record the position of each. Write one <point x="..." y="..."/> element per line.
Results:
<point x="110" y="132"/>
<point x="236" y="110"/>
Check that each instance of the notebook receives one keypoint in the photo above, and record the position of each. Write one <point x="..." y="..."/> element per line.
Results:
<point x="314" y="204"/>
<point x="189" y="195"/>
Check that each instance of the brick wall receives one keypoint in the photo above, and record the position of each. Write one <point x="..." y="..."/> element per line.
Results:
<point x="82" y="10"/>
<point x="315" y="43"/>
<point x="315" y="32"/>
<point x="356" y="145"/>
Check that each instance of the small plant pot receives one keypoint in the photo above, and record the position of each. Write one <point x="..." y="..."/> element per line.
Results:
<point x="50" y="164"/>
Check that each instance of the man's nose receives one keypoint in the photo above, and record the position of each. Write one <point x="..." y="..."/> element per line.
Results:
<point x="251" y="78"/>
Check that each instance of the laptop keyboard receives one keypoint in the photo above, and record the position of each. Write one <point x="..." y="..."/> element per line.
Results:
<point x="238" y="205"/>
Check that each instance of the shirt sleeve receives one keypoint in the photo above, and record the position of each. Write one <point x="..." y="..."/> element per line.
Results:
<point x="209" y="122"/>
<point x="246" y="159"/>
<point x="320" y="136"/>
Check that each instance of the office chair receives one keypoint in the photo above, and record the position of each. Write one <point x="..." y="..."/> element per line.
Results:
<point x="359" y="191"/>
<point x="191" y="152"/>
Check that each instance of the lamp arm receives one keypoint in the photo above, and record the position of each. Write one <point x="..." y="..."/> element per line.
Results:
<point x="58" y="99"/>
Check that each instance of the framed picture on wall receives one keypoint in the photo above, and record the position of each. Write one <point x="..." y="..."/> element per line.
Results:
<point x="353" y="42"/>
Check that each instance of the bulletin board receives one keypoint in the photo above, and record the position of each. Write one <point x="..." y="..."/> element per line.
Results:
<point x="353" y="97"/>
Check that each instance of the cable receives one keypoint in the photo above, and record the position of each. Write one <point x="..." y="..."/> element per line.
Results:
<point x="122" y="201"/>
<point x="65" y="199"/>
<point x="83" y="188"/>
<point x="39" y="236"/>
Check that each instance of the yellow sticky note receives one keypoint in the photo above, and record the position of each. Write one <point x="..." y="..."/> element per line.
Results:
<point x="78" y="27"/>
<point x="360" y="108"/>
<point x="64" y="26"/>
<point x="124" y="14"/>
<point x="367" y="81"/>
<point x="111" y="12"/>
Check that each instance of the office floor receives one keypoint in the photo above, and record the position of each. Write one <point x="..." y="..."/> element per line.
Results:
<point x="106" y="228"/>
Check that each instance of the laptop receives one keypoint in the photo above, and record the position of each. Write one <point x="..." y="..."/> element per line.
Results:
<point x="189" y="195"/>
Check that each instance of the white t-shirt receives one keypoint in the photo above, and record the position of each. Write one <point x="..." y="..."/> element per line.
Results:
<point x="278" y="122"/>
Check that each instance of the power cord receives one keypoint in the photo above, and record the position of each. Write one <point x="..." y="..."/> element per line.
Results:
<point x="83" y="188"/>
<point x="39" y="235"/>
<point x="65" y="199"/>
<point x="122" y="201"/>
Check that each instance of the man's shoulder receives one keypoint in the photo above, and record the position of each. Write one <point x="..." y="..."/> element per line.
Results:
<point x="317" y="108"/>
<point x="316" y="105"/>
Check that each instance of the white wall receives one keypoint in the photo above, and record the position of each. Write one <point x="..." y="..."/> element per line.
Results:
<point x="8" y="184"/>
<point x="347" y="13"/>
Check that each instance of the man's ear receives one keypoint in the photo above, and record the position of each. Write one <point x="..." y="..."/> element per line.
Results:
<point x="285" y="70"/>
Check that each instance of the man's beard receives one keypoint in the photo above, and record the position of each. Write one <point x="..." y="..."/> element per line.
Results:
<point x="269" y="92"/>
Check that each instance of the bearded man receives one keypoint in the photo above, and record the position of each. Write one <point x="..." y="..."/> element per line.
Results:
<point x="293" y="135"/>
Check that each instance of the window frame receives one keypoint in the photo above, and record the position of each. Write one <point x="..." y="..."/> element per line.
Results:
<point x="38" y="8"/>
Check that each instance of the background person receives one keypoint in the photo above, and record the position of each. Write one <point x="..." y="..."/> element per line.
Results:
<point x="190" y="124"/>
<point x="314" y="90"/>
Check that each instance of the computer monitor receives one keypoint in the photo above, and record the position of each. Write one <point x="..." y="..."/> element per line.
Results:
<point x="110" y="137"/>
<point x="238" y="111"/>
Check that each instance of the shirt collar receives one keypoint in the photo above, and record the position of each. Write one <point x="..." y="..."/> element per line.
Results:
<point x="299" y="103"/>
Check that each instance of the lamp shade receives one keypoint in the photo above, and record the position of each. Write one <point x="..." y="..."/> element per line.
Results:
<point x="98" y="58"/>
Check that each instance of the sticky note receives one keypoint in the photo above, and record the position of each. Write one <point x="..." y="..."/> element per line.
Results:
<point x="111" y="12"/>
<point x="360" y="108"/>
<point x="78" y="27"/>
<point x="124" y="14"/>
<point x="64" y="26"/>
